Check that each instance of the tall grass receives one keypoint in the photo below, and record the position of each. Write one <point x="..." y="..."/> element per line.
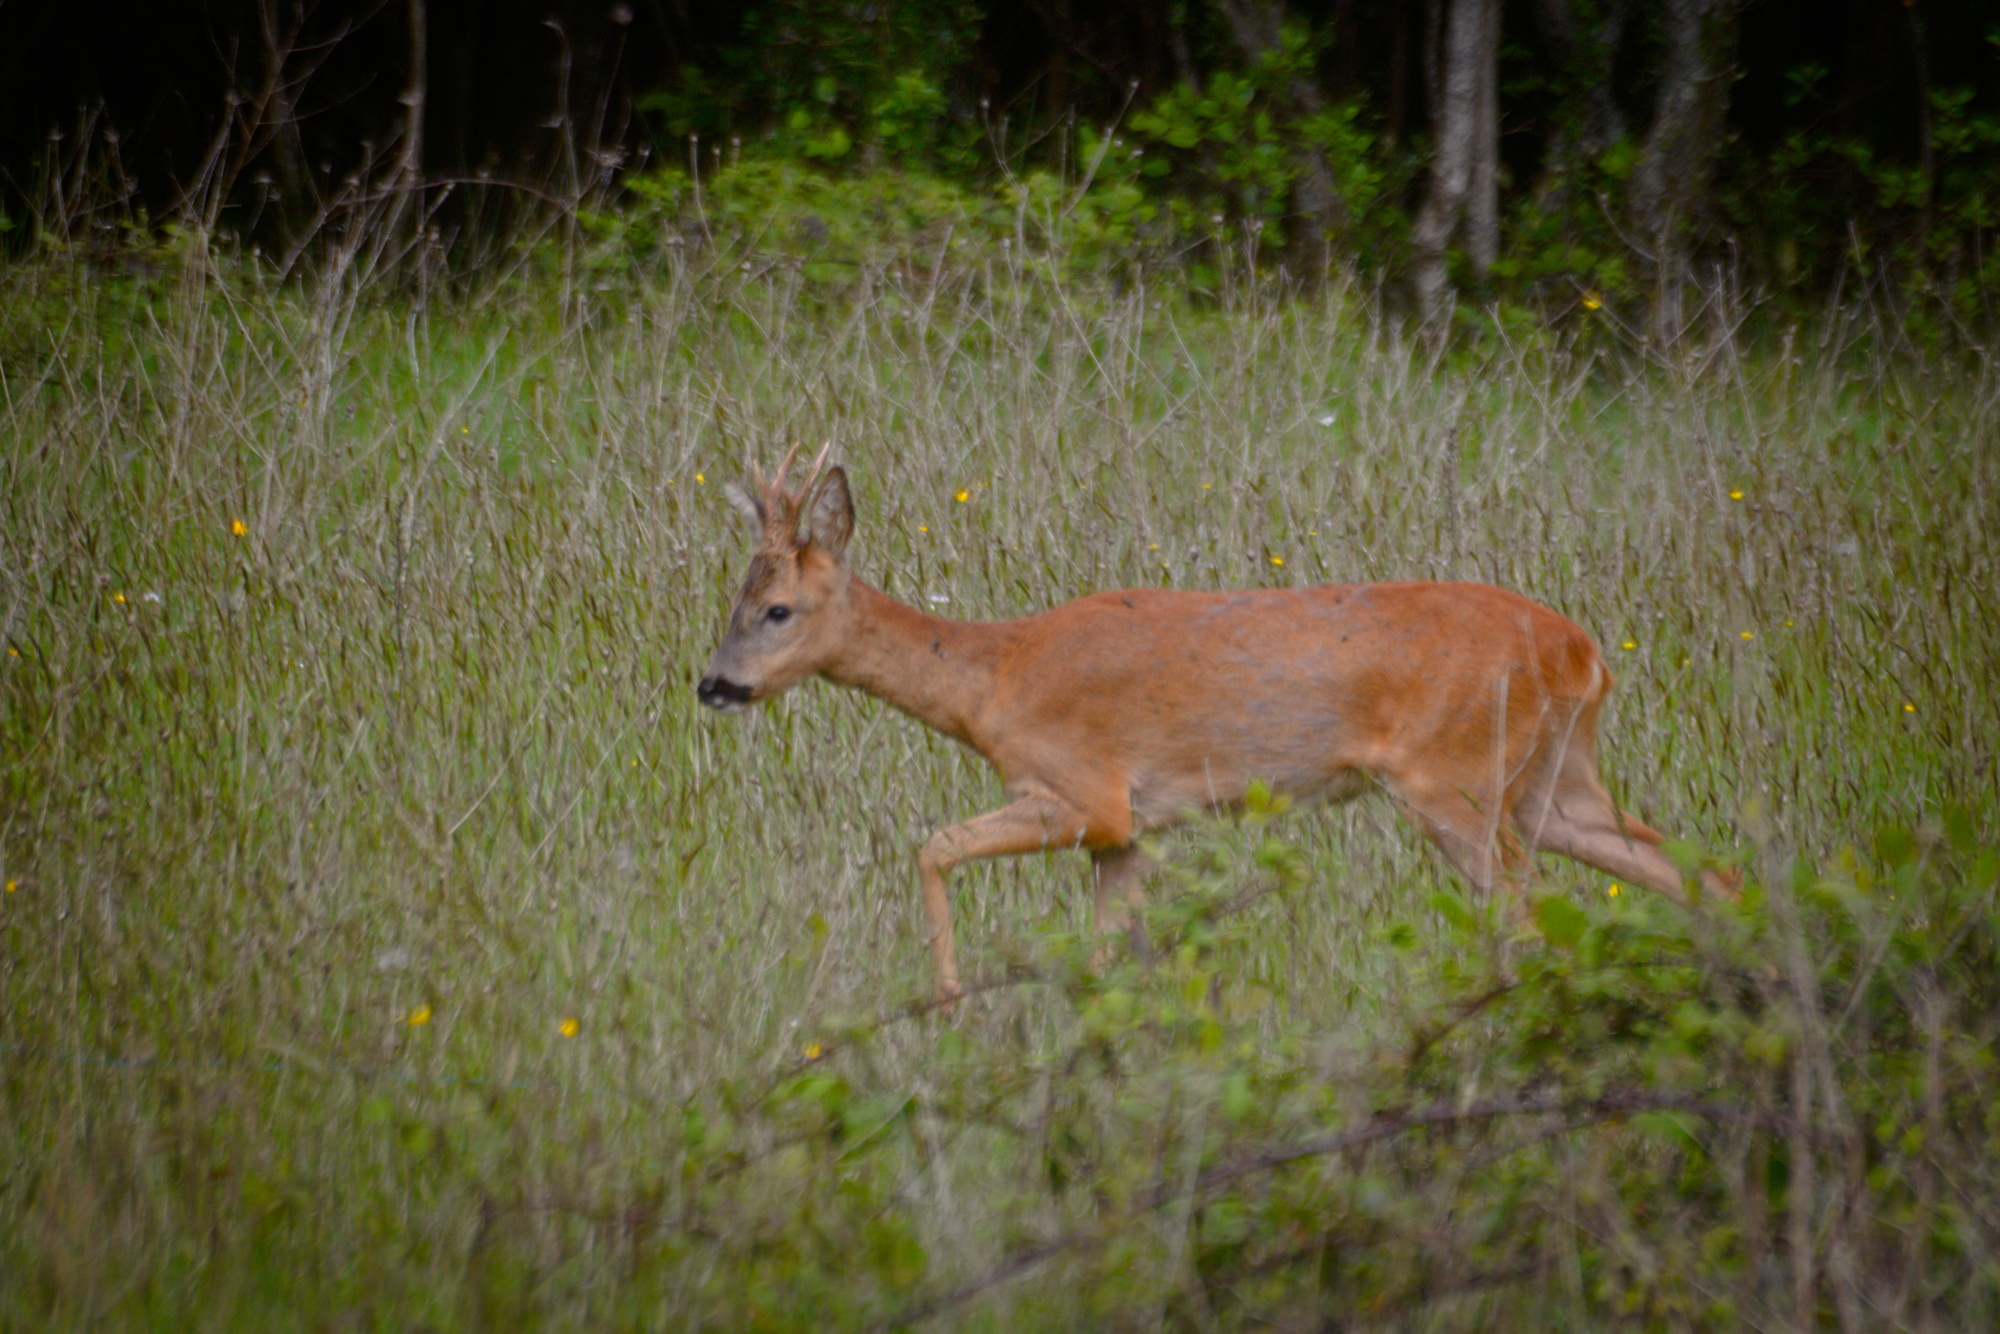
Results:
<point x="390" y="940"/>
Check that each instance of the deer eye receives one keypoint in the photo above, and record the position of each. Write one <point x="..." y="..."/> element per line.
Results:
<point x="778" y="614"/>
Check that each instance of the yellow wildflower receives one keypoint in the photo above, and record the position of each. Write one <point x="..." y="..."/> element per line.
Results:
<point x="923" y="528"/>
<point x="1277" y="560"/>
<point x="1735" y="493"/>
<point x="1748" y="636"/>
<point x="1613" y="891"/>
<point x="238" y="528"/>
<point x="1592" y="301"/>
<point x="700" y="478"/>
<point x="568" y="1028"/>
<point x="117" y="597"/>
<point x="812" y="1051"/>
<point x="1907" y="708"/>
<point x="962" y="495"/>
<point x="419" y="1016"/>
<point x="13" y="885"/>
<point x="1630" y="644"/>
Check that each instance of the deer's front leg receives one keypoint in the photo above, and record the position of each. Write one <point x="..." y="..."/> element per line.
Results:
<point x="1032" y="824"/>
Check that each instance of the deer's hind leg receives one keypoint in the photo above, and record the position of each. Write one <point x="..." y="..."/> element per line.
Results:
<point x="1119" y="875"/>
<point x="1568" y="811"/>
<point x="1469" y="825"/>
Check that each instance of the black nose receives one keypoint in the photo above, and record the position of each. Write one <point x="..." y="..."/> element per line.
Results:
<point x="716" y="692"/>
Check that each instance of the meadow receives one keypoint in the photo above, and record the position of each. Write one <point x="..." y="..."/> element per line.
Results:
<point x="391" y="941"/>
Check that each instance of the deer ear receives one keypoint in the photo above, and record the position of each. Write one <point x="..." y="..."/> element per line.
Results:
<point x="751" y="508"/>
<point x="832" y="521"/>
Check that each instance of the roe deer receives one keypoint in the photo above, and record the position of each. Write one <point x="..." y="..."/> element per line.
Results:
<point x="1120" y="712"/>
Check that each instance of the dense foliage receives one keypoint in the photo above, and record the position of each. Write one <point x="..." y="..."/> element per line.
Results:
<point x="1779" y="1114"/>
<point x="1855" y="142"/>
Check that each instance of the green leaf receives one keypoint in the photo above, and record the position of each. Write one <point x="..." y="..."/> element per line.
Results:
<point x="833" y="144"/>
<point x="1960" y="831"/>
<point x="1562" y="922"/>
<point x="1238" y="1098"/>
<point x="694" y="1128"/>
<point x="1683" y="1127"/>
<point x="894" y="1252"/>
<point x="1455" y="911"/>
<point x="1895" y="845"/>
<point x="417" y="1138"/>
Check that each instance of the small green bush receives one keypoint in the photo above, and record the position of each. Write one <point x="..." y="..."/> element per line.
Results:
<point x="1634" y="1112"/>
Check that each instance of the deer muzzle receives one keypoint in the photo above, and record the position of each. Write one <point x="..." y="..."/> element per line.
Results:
<point x="721" y="693"/>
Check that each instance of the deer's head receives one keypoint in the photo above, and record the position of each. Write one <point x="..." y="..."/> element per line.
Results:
<point x="790" y="614"/>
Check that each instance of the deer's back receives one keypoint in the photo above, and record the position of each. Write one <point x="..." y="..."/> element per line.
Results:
<point x="1184" y="697"/>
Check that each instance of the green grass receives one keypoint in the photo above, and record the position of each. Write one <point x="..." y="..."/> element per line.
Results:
<point x="422" y="740"/>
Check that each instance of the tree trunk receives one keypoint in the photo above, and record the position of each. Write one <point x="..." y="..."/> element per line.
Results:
<point x="1258" y="29"/>
<point x="1464" y="185"/>
<point x="1398" y="114"/>
<point x="1482" y="205"/>
<point x="1061" y="24"/>
<point x="1584" y="55"/>
<point x="1667" y="195"/>
<point x="410" y="157"/>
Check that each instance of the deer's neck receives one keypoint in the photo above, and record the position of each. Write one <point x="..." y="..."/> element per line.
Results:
<point x="937" y="671"/>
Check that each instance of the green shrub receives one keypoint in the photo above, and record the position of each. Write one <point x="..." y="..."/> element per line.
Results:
<point x="1638" y="1112"/>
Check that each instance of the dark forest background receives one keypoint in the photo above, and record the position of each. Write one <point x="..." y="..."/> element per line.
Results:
<point x="1554" y="146"/>
<point x="390" y="939"/>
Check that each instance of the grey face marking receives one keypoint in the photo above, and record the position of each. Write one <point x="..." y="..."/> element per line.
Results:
<point x="763" y="570"/>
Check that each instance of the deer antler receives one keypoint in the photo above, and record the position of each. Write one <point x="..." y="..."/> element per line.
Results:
<point x="778" y="506"/>
<point x="777" y="484"/>
<point x="818" y="466"/>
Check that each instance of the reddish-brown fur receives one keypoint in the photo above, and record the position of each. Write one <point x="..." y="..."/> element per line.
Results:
<point x="1120" y="712"/>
